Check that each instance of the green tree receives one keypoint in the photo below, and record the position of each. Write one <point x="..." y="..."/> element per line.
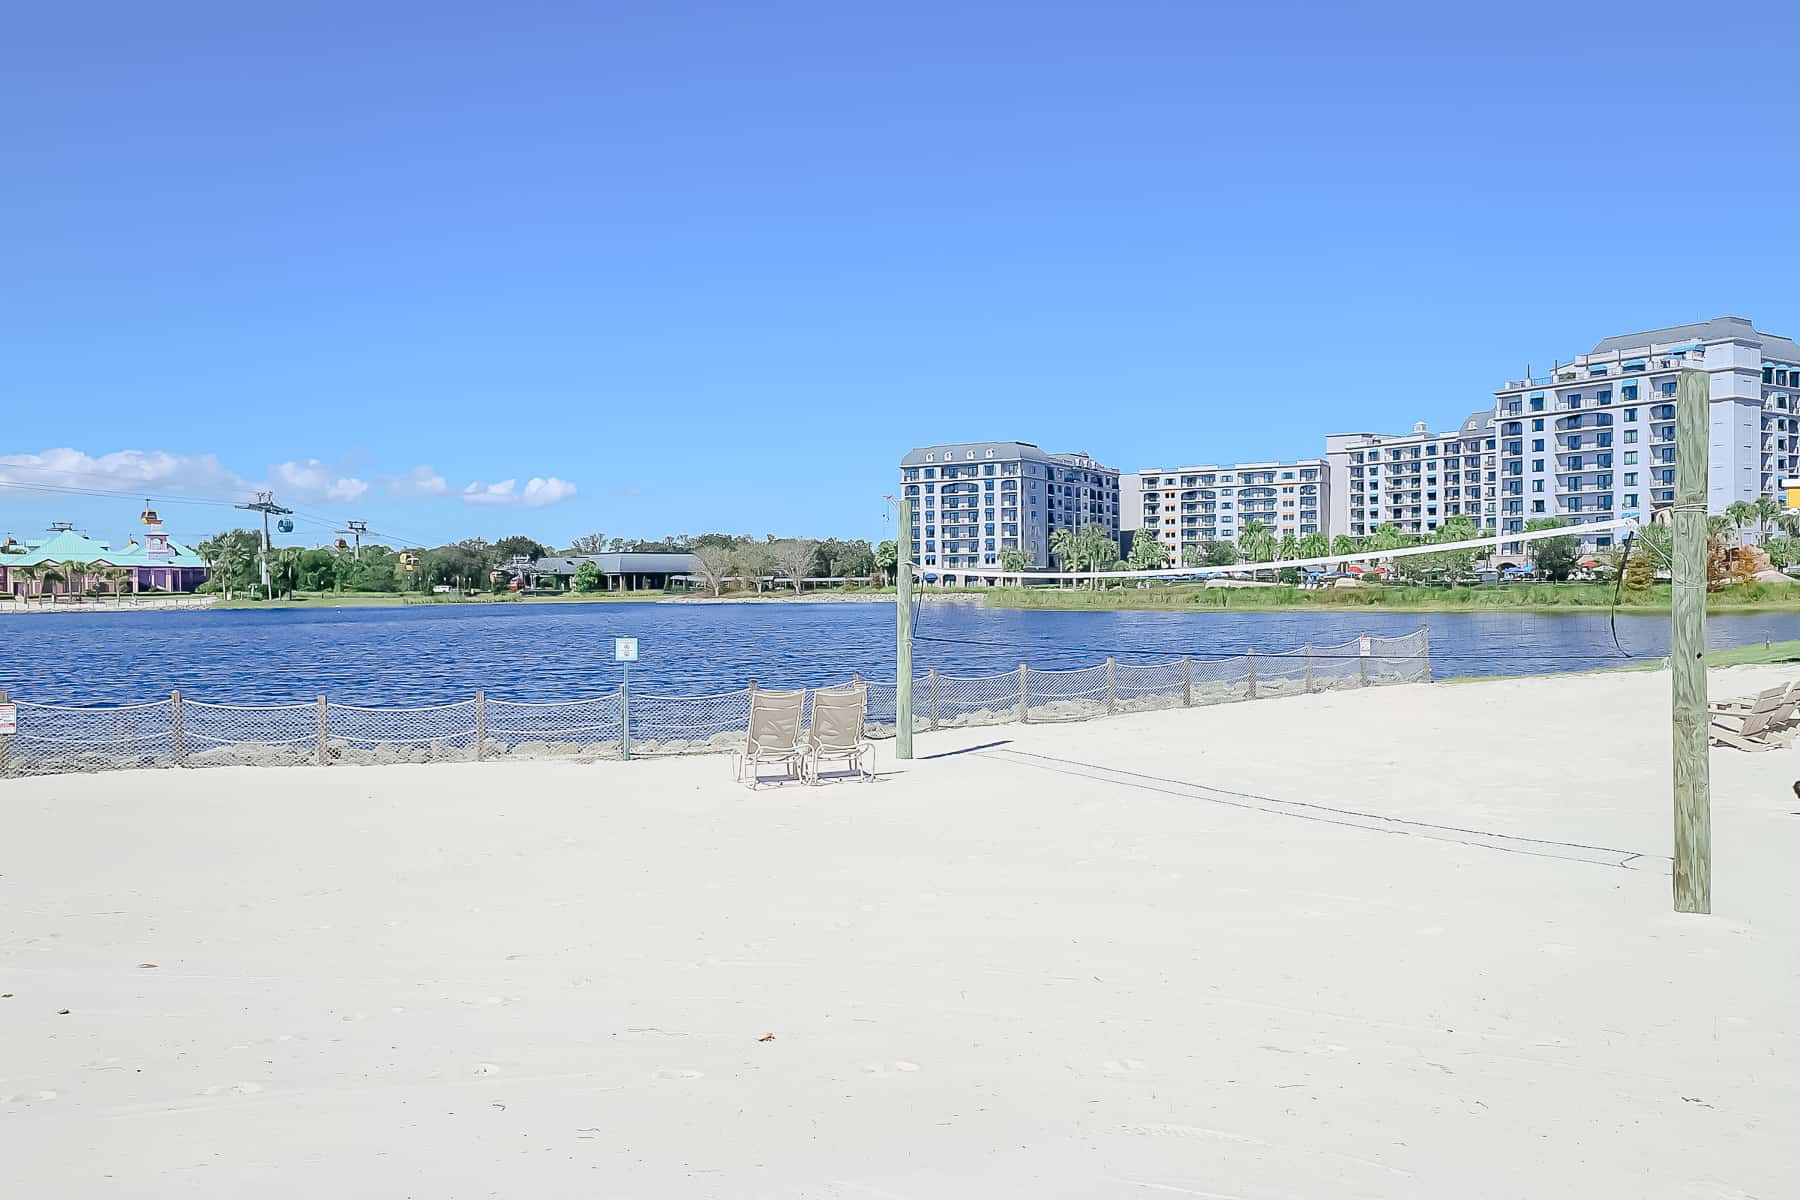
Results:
<point x="518" y="546"/>
<point x="1147" y="553"/>
<point x="1192" y="555"/>
<point x="1012" y="559"/>
<point x="284" y="570"/>
<point x="1065" y="547"/>
<point x="1553" y="558"/>
<point x="887" y="557"/>
<point x="1768" y="511"/>
<point x="1289" y="548"/>
<point x="1740" y="513"/>
<point x="1256" y="542"/>
<point x="843" y="559"/>
<point x="1098" y="550"/>
<point x="587" y="576"/>
<point x="1343" y="543"/>
<point x="1314" y="545"/>
<point x="1219" y="553"/>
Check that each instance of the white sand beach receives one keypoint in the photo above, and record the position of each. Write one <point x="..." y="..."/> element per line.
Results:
<point x="1418" y="945"/>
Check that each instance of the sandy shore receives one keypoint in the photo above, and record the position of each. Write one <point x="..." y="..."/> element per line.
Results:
<point x="1408" y="942"/>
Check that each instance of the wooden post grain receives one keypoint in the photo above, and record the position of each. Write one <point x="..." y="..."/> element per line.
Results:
<point x="1024" y="710"/>
<point x="1687" y="648"/>
<point x="1112" y="690"/>
<point x="934" y="697"/>
<point x="1187" y="681"/>
<point x="1309" y="667"/>
<point x="324" y="753"/>
<point x="1250" y="672"/>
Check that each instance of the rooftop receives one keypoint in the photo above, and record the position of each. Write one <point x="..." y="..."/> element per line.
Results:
<point x="1716" y="330"/>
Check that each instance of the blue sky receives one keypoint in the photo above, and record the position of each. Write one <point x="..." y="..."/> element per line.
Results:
<point x="701" y="266"/>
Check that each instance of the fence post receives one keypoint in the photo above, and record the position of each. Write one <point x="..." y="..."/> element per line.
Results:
<point x="323" y="752"/>
<point x="934" y="697"/>
<point x="624" y="724"/>
<point x="1187" y="681"/>
<point x="480" y="724"/>
<point x="1250" y="658"/>
<point x="1425" y="652"/>
<point x="1362" y="661"/>
<point x="5" y="739"/>
<point x="177" y="736"/>
<point x="1112" y="691"/>
<point x="1309" y="667"/>
<point x="1023" y="710"/>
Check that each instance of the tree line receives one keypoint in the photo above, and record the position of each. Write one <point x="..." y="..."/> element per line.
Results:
<point x="234" y="559"/>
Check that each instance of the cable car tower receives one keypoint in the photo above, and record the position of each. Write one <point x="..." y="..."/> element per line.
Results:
<point x="356" y="530"/>
<point x="265" y="504"/>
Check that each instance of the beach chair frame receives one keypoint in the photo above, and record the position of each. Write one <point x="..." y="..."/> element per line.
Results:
<point x="837" y="734"/>
<point x="773" y="735"/>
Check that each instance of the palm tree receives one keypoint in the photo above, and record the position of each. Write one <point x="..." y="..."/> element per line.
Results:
<point x="118" y="577"/>
<point x="75" y="574"/>
<point x="1257" y="543"/>
<point x="1067" y="547"/>
<point x="1315" y="545"/>
<point x="1789" y="523"/>
<point x="284" y="572"/>
<point x="1740" y="513"/>
<point x="1768" y="511"/>
<point x="1343" y="543"/>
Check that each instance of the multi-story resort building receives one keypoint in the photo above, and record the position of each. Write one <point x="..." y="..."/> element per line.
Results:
<point x="1413" y="481"/>
<point x="1595" y="439"/>
<point x="973" y="500"/>
<point x="1186" y="506"/>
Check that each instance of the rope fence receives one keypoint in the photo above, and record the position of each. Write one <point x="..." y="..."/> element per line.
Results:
<point x="51" y="739"/>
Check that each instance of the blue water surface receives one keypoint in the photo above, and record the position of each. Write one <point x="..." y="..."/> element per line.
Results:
<point x="425" y="655"/>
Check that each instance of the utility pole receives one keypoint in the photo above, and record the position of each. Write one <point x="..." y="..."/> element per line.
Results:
<point x="265" y="504"/>
<point x="1687" y="648"/>
<point x="356" y="530"/>
<point x="903" y="623"/>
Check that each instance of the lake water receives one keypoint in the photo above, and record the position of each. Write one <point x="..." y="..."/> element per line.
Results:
<point x="538" y="652"/>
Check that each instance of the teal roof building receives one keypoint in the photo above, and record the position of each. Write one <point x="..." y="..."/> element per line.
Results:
<point x="41" y="566"/>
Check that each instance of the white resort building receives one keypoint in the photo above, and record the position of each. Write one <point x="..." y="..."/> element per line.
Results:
<point x="1595" y="438"/>
<point x="1187" y="506"/>
<point x="1413" y="481"/>
<point x="971" y="501"/>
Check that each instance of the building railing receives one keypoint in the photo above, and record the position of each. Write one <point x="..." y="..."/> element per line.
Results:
<point x="179" y="732"/>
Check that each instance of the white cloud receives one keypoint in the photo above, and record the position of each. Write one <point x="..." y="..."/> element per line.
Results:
<point x="536" y="493"/>
<point x="420" y="481"/>
<point x="123" y="470"/>
<point x="308" y="480"/>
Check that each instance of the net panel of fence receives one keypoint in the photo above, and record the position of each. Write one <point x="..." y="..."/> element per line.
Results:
<point x="186" y="733"/>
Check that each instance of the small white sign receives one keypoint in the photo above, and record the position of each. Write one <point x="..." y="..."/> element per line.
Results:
<point x="9" y="718"/>
<point x="624" y="649"/>
<point x="1365" y="645"/>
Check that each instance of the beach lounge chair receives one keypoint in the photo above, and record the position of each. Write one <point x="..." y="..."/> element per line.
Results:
<point x="774" y="735"/>
<point x="837" y="731"/>
<point x="1758" y="726"/>
<point x="1743" y="704"/>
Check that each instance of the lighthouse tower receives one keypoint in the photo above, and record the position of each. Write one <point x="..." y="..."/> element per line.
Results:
<point x="156" y="540"/>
